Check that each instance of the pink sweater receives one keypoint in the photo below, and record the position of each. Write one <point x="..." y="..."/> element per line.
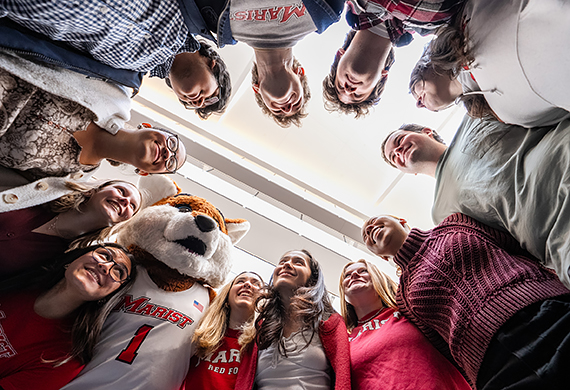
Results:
<point x="462" y="280"/>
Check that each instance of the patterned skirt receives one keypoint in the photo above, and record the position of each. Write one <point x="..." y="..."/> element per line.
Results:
<point x="36" y="130"/>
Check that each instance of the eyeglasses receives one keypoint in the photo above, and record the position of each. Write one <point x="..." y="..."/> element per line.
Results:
<point x="207" y="102"/>
<point x="172" y="144"/>
<point x="118" y="272"/>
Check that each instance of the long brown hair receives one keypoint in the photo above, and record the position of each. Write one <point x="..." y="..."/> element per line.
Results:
<point x="90" y="316"/>
<point x="310" y="302"/>
<point x="384" y="286"/>
<point x="448" y="54"/>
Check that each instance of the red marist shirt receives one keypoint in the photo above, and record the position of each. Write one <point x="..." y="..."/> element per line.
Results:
<point x="389" y="352"/>
<point x="29" y="342"/>
<point x="219" y="370"/>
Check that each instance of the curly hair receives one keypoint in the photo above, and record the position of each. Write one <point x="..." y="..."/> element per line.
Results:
<point x="222" y="76"/>
<point x="407" y="127"/>
<point x="361" y="109"/>
<point x="310" y="302"/>
<point x="282" y="120"/>
<point x="81" y="193"/>
<point x="447" y="55"/>
<point x="383" y="285"/>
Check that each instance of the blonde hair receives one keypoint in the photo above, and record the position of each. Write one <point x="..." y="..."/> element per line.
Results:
<point x="212" y="327"/>
<point x="384" y="286"/>
<point x="80" y="195"/>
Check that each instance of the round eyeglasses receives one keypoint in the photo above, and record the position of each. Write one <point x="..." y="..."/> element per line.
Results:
<point x="172" y="144"/>
<point x="207" y="102"/>
<point x="118" y="272"/>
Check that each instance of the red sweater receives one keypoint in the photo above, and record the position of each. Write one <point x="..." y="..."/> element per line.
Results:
<point x="30" y="345"/>
<point x="333" y="335"/>
<point x="462" y="280"/>
<point x="219" y="370"/>
<point x="21" y="248"/>
<point x="402" y="346"/>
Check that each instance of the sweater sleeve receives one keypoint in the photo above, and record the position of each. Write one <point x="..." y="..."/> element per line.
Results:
<point x="433" y="336"/>
<point x="246" y="375"/>
<point x="334" y="338"/>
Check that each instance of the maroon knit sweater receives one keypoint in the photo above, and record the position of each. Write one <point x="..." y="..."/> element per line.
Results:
<point x="462" y="280"/>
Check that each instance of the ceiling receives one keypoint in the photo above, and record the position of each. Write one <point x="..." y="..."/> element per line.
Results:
<point x="309" y="187"/>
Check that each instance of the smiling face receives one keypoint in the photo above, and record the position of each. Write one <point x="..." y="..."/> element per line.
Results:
<point x="244" y="292"/>
<point x="434" y="92"/>
<point x="89" y="275"/>
<point x="154" y="153"/>
<point x="115" y="203"/>
<point x="292" y="272"/>
<point x="355" y="81"/>
<point x="192" y="80"/>
<point x="384" y="235"/>
<point x="356" y="281"/>
<point x="410" y="152"/>
<point x="282" y="92"/>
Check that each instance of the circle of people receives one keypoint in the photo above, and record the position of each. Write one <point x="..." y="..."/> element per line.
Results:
<point x="482" y="301"/>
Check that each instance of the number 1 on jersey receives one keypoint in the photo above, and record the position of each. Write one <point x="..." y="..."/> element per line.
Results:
<point x="129" y="354"/>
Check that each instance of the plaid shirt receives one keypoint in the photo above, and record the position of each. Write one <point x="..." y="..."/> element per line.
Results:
<point x="136" y="35"/>
<point x="422" y="16"/>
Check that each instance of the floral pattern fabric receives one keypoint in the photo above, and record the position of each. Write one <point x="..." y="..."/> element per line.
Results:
<point x="36" y="130"/>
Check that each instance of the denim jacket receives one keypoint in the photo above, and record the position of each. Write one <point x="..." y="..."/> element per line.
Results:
<point x="323" y="12"/>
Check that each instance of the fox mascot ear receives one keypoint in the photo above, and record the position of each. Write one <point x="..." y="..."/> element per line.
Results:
<point x="237" y="228"/>
<point x="154" y="188"/>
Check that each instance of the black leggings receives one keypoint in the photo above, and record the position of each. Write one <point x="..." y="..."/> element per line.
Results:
<point x="531" y="350"/>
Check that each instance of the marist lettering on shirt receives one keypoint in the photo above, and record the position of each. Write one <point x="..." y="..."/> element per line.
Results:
<point x="6" y="348"/>
<point x="226" y="357"/>
<point x="281" y="14"/>
<point x="142" y="306"/>
<point x="373" y="324"/>
<point x="278" y="24"/>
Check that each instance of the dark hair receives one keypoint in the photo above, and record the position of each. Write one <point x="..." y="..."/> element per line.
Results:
<point x="311" y="303"/>
<point x="222" y="76"/>
<point x="447" y="55"/>
<point x="90" y="316"/>
<point x="361" y="109"/>
<point x="407" y="127"/>
<point x="282" y="120"/>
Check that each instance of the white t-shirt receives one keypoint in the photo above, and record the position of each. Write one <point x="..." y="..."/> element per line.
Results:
<point x="511" y="178"/>
<point x="303" y="368"/>
<point x="275" y="24"/>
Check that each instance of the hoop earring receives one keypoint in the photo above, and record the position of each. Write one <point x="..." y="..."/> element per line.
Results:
<point x="140" y="173"/>
<point x="144" y="125"/>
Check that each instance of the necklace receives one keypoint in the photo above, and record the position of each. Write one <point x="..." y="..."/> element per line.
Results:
<point x="360" y="322"/>
<point x="53" y="225"/>
<point x="53" y="228"/>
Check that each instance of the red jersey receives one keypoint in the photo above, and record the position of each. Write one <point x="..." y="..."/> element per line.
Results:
<point x="30" y="345"/>
<point x="389" y="352"/>
<point x="217" y="371"/>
